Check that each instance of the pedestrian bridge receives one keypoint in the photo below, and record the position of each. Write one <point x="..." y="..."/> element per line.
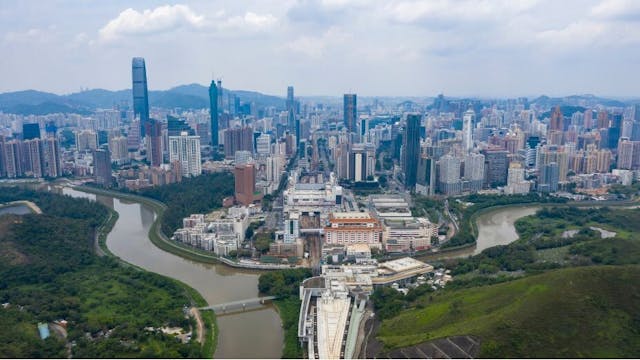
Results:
<point x="239" y="305"/>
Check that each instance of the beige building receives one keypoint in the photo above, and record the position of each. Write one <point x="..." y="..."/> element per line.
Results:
<point x="353" y="228"/>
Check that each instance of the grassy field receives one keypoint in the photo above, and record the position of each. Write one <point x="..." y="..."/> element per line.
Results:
<point x="576" y="312"/>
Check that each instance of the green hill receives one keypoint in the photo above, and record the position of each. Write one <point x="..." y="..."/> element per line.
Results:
<point x="577" y="312"/>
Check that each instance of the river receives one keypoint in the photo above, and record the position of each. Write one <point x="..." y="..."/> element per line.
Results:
<point x="495" y="227"/>
<point x="15" y="209"/>
<point x="252" y="334"/>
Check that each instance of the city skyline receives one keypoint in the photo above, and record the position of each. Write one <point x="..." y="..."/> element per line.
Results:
<point x="461" y="48"/>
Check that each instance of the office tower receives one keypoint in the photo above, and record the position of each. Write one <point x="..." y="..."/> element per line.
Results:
<point x="263" y="144"/>
<point x="411" y="149"/>
<point x="516" y="184"/>
<point x="474" y="171"/>
<point x="213" y="111"/>
<point x="549" y="177"/>
<point x="557" y="120"/>
<point x="614" y="131"/>
<point x="426" y="176"/>
<point x="140" y="92"/>
<point x="185" y="149"/>
<point x="496" y="167"/>
<point x="154" y="142"/>
<point x="133" y="136"/>
<point x="362" y="162"/>
<point x="51" y="157"/>
<point x="30" y="131"/>
<point x="102" y="167"/>
<point x="450" y="183"/>
<point x="237" y="139"/>
<point x="219" y="87"/>
<point x="350" y="112"/>
<point x="86" y="140"/>
<point x="245" y="183"/>
<point x="119" y="150"/>
<point x="364" y="128"/>
<point x="293" y="121"/>
<point x="467" y="129"/>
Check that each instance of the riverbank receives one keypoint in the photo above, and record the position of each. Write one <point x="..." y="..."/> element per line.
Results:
<point x="160" y="239"/>
<point x="209" y="319"/>
<point x="32" y="207"/>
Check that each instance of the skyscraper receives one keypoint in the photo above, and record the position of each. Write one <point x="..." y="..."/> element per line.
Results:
<point x="351" y="112"/>
<point x="213" y="109"/>
<point x="154" y="142"/>
<point x="557" y="120"/>
<point x="245" y="183"/>
<point x="467" y="129"/>
<point x="186" y="150"/>
<point x="140" y="92"/>
<point x="411" y="149"/>
<point x="293" y="123"/>
<point x="237" y="139"/>
<point x="102" y="167"/>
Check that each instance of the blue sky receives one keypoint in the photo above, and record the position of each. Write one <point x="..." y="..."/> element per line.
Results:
<point x="327" y="47"/>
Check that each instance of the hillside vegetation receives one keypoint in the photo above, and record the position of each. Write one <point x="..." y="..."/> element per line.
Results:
<point x="48" y="272"/>
<point x="567" y="313"/>
<point x="199" y="194"/>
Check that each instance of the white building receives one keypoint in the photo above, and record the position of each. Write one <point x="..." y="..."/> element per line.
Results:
<point x="86" y="140"/>
<point x="467" y="129"/>
<point x="119" y="149"/>
<point x="186" y="150"/>
<point x="516" y="184"/>
<point x="263" y="144"/>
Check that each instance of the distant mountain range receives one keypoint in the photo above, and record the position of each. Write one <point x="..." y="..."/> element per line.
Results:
<point x="196" y="96"/>
<point x="192" y="96"/>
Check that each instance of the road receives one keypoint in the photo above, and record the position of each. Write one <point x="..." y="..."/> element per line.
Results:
<point x="196" y="314"/>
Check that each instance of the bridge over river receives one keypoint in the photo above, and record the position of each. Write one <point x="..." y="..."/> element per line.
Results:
<point x="240" y="305"/>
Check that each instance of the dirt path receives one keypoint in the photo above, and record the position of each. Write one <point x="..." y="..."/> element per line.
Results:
<point x="196" y="313"/>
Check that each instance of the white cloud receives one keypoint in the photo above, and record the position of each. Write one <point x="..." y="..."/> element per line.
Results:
<point x="161" y="19"/>
<point x="617" y="10"/>
<point x="250" y="21"/>
<point x="315" y="46"/>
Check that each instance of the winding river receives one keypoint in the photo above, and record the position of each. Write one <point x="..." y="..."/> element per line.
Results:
<point x="252" y="334"/>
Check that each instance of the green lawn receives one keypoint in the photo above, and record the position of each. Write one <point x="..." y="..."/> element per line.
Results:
<point x="576" y="312"/>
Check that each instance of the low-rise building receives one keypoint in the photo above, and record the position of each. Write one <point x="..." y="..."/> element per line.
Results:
<point x="346" y="228"/>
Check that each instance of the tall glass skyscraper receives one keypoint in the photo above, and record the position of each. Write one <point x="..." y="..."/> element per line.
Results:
<point x="350" y="112"/>
<point x="140" y="92"/>
<point x="213" y="104"/>
<point x="411" y="149"/>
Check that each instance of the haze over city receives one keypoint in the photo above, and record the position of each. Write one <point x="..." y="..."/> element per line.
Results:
<point x="327" y="47"/>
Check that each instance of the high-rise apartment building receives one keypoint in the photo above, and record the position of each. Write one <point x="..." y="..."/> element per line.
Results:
<point x="557" y="120"/>
<point x="237" y="139"/>
<point x="186" y="150"/>
<point x="411" y="149"/>
<point x="450" y="182"/>
<point x="51" y="157"/>
<point x="496" y="166"/>
<point x="263" y="144"/>
<point x="474" y="171"/>
<point x="140" y="92"/>
<point x="119" y="150"/>
<point x="86" y="140"/>
<point x="516" y="184"/>
<point x="350" y="112"/>
<point x="133" y="136"/>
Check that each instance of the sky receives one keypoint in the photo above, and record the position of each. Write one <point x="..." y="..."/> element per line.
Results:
<point x="488" y="48"/>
